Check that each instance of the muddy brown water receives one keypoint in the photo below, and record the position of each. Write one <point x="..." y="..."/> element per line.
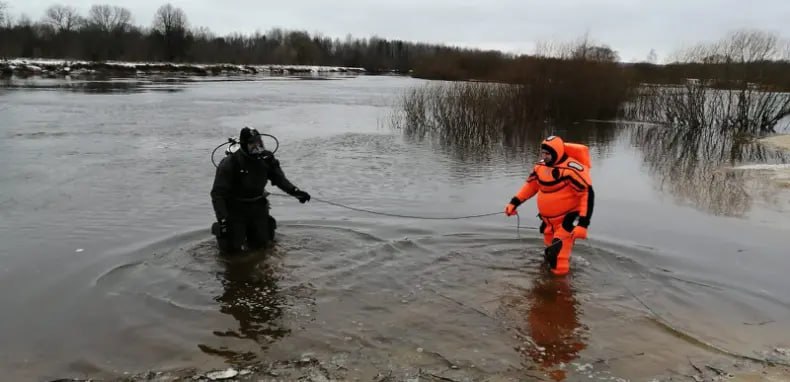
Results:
<point x="107" y="265"/>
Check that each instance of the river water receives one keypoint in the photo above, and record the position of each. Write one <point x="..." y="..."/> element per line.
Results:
<point x="107" y="265"/>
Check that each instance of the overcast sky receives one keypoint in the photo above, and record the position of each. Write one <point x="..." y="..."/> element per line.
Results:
<point x="630" y="27"/>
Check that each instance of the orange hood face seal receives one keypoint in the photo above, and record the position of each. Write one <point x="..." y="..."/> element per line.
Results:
<point x="555" y="146"/>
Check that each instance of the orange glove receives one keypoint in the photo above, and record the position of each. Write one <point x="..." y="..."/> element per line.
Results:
<point x="579" y="232"/>
<point x="510" y="209"/>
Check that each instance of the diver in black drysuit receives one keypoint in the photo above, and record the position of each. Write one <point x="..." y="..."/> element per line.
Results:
<point x="239" y="198"/>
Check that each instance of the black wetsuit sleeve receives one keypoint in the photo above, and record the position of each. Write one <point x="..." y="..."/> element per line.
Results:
<point x="584" y="220"/>
<point x="278" y="178"/>
<point x="221" y="191"/>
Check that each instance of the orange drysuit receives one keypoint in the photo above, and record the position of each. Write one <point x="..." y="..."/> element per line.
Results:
<point x="565" y="194"/>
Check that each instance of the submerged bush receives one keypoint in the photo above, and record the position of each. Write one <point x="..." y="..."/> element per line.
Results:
<point x="752" y="110"/>
<point x="482" y="113"/>
<point x="563" y="83"/>
<point x="465" y="113"/>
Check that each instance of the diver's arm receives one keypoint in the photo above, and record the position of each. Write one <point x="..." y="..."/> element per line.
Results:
<point x="220" y="192"/>
<point x="580" y="181"/>
<point x="528" y="190"/>
<point x="586" y="204"/>
<point x="278" y="178"/>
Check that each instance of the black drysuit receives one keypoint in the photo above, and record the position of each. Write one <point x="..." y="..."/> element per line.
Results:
<point x="239" y="198"/>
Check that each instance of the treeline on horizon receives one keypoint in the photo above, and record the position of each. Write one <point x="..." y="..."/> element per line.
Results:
<point x="108" y="32"/>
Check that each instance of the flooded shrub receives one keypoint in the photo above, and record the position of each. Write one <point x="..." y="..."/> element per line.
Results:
<point x="463" y="113"/>
<point x="563" y="83"/>
<point x="486" y="112"/>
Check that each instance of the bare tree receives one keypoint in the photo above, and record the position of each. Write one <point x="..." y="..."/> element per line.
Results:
<point x="25" y="21"/>
<point x="169" y="19"/>
<point x="784" y="50"/>
<point x="203" y="33"/>
<point x="700" y="53"/>
<point x="740" y="47"/>
<point x="596" y="53"/>
<point x="3" y="13"/>
<point x="62" y="18"/>
<point x="652" y="57"/>
<point x="747" y="46"/>
<point x="109" y="18"/>
<point x="583" y="49"/>
<point x="556" y="49"/>
<point x="171" y="24"/>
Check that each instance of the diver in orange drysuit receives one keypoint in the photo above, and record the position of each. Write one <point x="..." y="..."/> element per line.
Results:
<point x="565" y="193"/>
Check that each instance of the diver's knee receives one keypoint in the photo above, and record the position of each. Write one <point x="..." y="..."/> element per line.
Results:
<point x="551" y="253"/>
<point x="547" y="240"/>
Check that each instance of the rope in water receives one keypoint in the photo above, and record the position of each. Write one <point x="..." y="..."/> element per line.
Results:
<point x="652" y="311"/>
<point x="407" y="216"/>
<point x="419" y="217"/>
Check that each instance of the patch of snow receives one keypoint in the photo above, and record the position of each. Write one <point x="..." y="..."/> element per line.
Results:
<point x="222" y="374"/>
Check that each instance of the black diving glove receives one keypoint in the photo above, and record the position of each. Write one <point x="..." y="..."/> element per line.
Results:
<point x="301" y="195"/>
<point x="220" y="228"/>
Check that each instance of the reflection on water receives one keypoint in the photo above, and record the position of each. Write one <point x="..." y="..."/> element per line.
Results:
<point x="521" y="144"/>
<point x="694" y="165"/>
<point x="600" y="137"/>
<point x="546" y="314"/>
<point x="116" y="84"/>
<point x="554" y="325"/>
<point x="251" y="296"/>
<point x="98" y="86"/>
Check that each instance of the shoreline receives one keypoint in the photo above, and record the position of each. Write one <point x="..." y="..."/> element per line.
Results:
<point x="51" y="68"/>
<point x="311" y="369"/>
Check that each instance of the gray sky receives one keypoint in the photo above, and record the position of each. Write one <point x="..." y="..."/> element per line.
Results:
<point x="630" y="27"/>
